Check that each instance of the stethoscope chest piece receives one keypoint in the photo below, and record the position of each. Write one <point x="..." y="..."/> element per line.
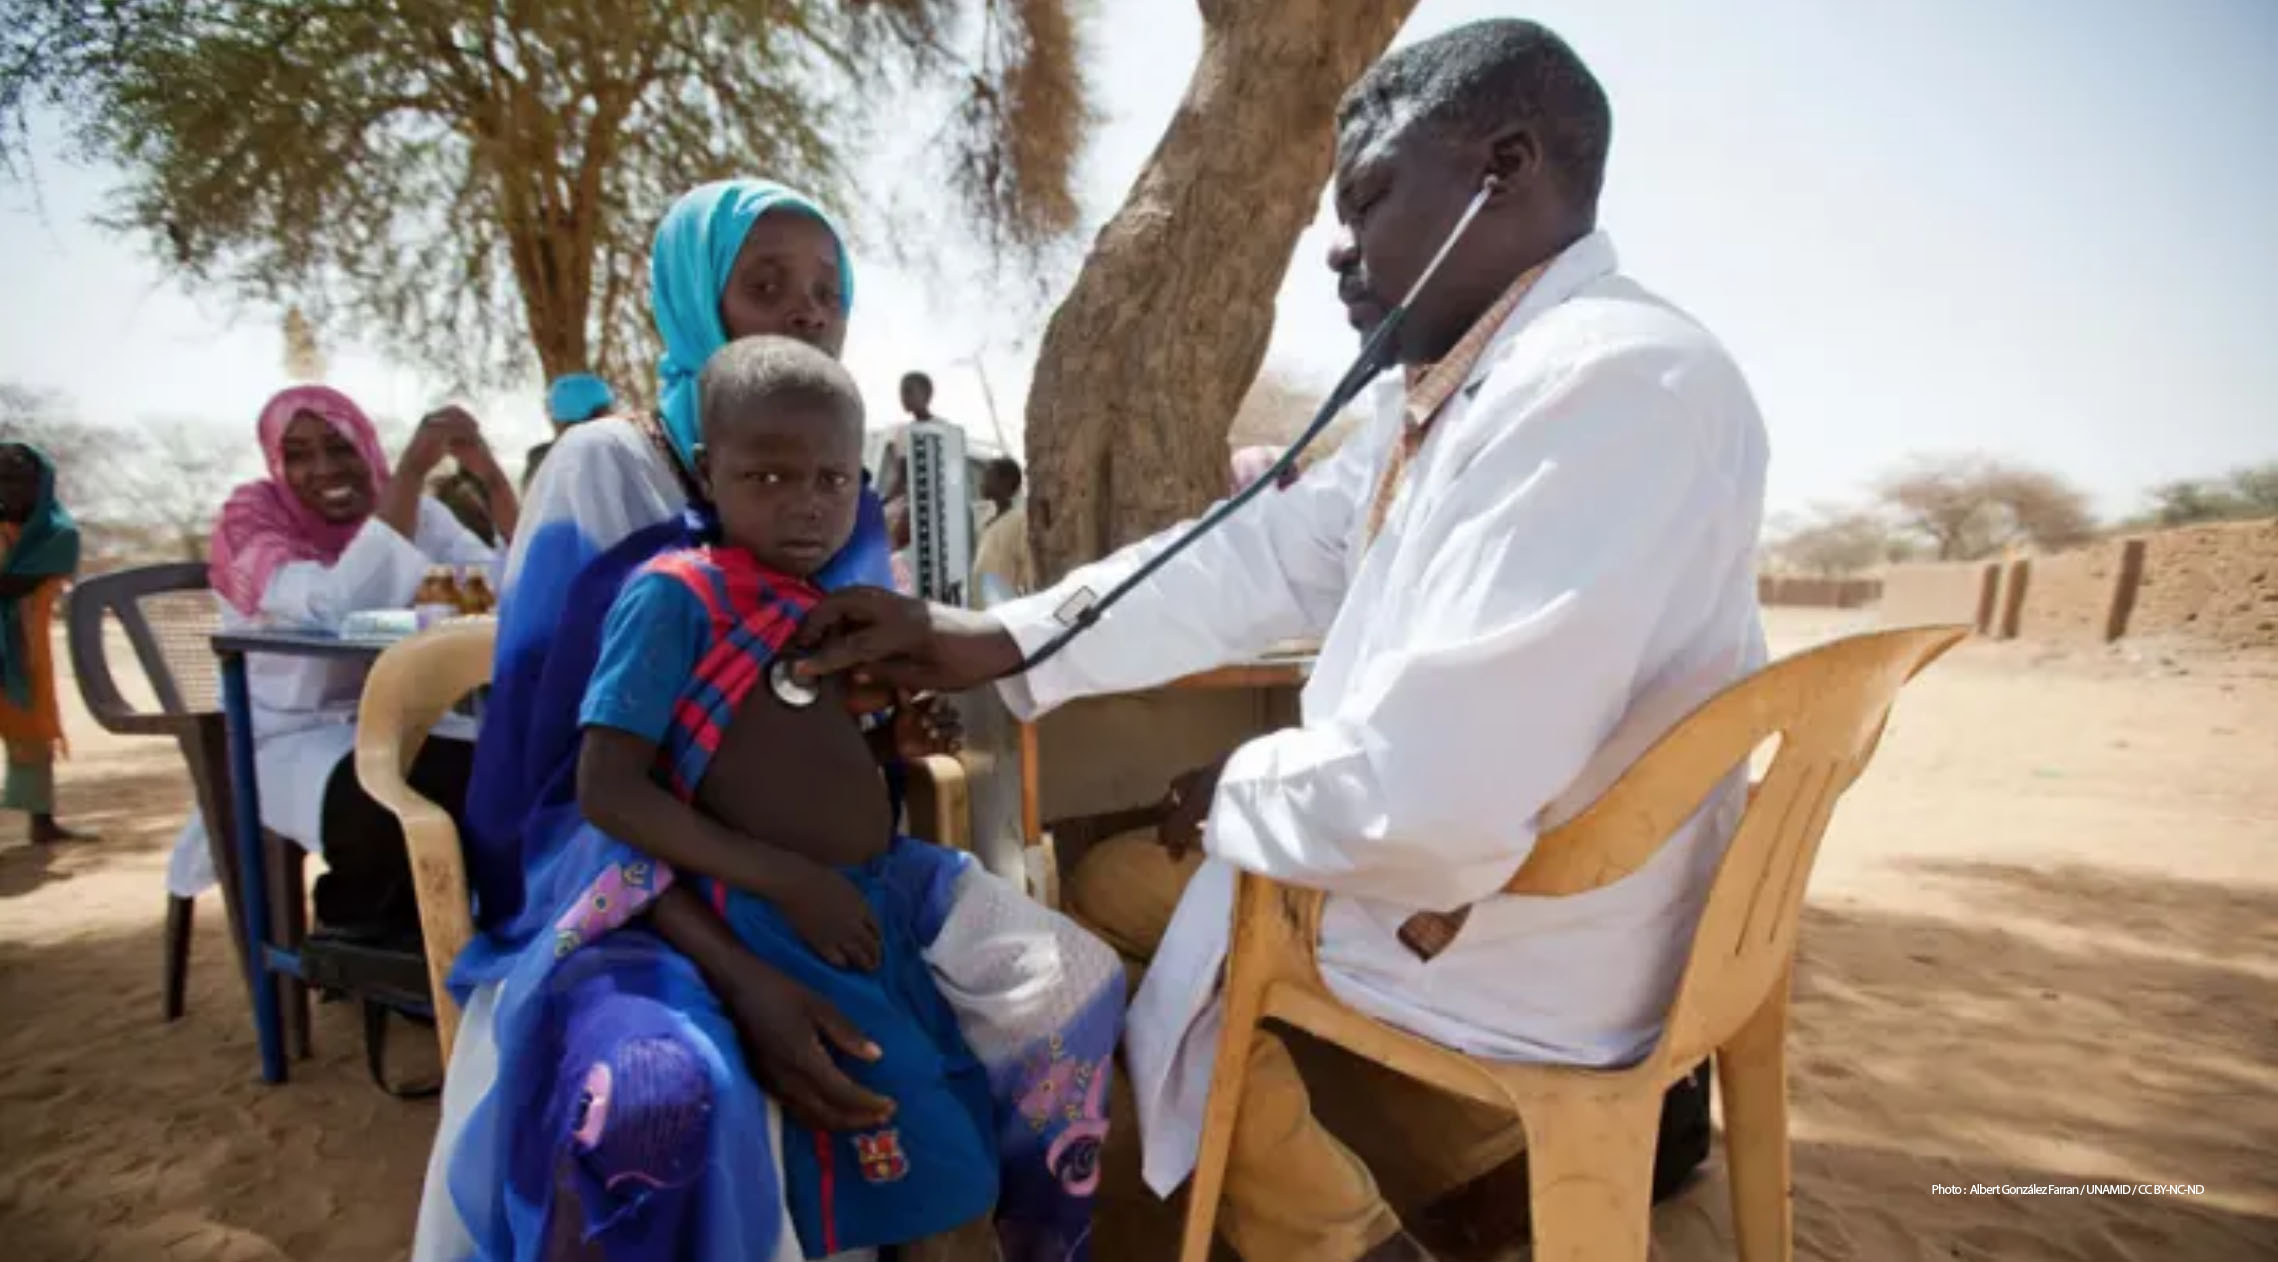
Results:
<point x="787" y="688"/>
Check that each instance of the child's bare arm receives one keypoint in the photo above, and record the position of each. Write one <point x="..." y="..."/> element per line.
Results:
<point x="617" y="794"/>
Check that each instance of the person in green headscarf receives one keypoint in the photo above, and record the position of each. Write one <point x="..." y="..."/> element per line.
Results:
<point x="40" y="545"/>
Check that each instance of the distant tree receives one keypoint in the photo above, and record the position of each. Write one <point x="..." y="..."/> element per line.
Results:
<point x="142" y="493"/>
<point x="1277" y="409"/>
<point x="1834" y="541"/>
<point x="2256" y="489"/>
<point x="1273" y="410"/>
<point x="47" y="421"/>
<point x="1944" y="501"/>
<point x="2040" y="508"/>
<point x="2251" y="491"/>
<point x="172" y="477"/>
<point x="475" y="183"/>
<point x="1966" y="507"/>
<point x="2189" y="501"/>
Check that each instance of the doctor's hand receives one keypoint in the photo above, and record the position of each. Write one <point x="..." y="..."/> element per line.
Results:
<point x="1186" y="808"/>
<point x="903" y="642"/>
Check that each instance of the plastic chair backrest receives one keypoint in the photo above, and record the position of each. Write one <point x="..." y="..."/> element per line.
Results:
<point x="411" y="687"/>
<point x="169" y="618"/>
<point x="1827" y="707"/>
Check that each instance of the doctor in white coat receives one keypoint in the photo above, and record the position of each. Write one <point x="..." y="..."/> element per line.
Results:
<point x="1537" y="558"/>
<point x="331" y="531"/>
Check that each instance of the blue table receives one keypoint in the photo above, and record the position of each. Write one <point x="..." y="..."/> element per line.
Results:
<point x="262" y="957"/>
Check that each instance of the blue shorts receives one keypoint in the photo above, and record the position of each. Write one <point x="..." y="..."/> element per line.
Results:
<point x="933" y="1166"/>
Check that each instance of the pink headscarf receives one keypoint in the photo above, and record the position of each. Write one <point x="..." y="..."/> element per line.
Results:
<point x="1251" y="463"/>
<point x="264" y="525"/>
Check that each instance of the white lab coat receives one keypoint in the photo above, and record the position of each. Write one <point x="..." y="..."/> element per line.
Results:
<point x="304" y="709"/>
<point x="1566" y="571"/>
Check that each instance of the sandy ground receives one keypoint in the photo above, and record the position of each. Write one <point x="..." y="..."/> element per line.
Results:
<point x="2041" y="948"/>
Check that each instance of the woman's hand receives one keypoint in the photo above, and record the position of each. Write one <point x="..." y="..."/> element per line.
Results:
<point x="903" y="642"/>
<point x="446" y="431"/>
<point x="475" y="456"/>
<point x="788" y="1032"/>
<point x="439" y="434"/>
<point x="1186" y="808"/>
<point x="831" y="916"/>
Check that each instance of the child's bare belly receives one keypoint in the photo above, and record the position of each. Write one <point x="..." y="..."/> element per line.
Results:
<point x="804" y="780"/>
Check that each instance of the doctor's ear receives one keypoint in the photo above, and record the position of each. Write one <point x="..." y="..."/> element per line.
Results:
<point x="1513" y="157"/>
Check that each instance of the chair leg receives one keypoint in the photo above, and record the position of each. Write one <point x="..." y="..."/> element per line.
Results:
<point x="1752" y="1078"/>
<point x="1229" y="1077"/>
<point x="1590" y="1174"/>
<point x="180" y="913"/>
<point x="288" y="925"/>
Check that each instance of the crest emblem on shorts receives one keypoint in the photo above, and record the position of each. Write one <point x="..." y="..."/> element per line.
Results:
<point x="880" y="1154"/>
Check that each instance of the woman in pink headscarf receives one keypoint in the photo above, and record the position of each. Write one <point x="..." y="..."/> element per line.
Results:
<point x="334" y="529"/>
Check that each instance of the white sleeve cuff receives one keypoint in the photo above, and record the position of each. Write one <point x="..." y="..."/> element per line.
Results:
<point x="1032" y="624"/>
<point x="384" y="568"/>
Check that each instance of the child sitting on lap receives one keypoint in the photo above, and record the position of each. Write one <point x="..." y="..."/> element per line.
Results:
<point x="780" y="799"/>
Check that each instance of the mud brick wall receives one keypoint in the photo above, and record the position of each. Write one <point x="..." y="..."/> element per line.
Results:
<point x="1932" y="592"/>
<point x="1817" y="593"/>
<point x="2070" y="594"/>
<point x="2214" y="583"/>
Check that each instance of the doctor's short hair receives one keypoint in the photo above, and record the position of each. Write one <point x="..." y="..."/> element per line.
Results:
<point x="1482" y="76"/>
<point x="747" y="376"/>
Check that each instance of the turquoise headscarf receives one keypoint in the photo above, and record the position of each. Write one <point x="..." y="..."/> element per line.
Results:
<point x="578" y="396"/>
<point x="695" y="249"/>
<point x="48" y="547"/>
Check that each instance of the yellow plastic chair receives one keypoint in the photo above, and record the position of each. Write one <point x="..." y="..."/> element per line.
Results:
<point x="1590" y="1132"/>
<point x="411" y="687"/>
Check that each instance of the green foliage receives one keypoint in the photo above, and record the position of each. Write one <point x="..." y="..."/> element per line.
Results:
<point x="1834" y="541"/>
<point x="2241" y="494"/>
<point x="474" y="182"/>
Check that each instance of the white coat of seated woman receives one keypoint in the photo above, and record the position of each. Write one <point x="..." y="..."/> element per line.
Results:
<point x="330" y="532"/>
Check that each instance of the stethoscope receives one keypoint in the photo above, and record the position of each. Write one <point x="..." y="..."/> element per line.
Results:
<point x="1082" y="611"/>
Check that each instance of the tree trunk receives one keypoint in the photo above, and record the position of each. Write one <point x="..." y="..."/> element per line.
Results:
<point x="549" y="241"/>
<point x="1144" y="364"/>
<point x="553" y="273"/>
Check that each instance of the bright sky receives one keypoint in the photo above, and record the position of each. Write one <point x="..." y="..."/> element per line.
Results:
<point x="2045" y="229"/>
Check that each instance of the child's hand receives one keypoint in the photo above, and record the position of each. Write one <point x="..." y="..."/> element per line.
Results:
<point x="925" y="726"/>
<point x="865" y="695"/>
<point x="831" y="916"/>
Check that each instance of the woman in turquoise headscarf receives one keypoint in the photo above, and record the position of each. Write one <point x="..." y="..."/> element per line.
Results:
<point x="605" y="1094"/>
<point x="39" y="551"/>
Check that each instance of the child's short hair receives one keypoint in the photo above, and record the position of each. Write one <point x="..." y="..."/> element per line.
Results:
<point x="750" y="373"/>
